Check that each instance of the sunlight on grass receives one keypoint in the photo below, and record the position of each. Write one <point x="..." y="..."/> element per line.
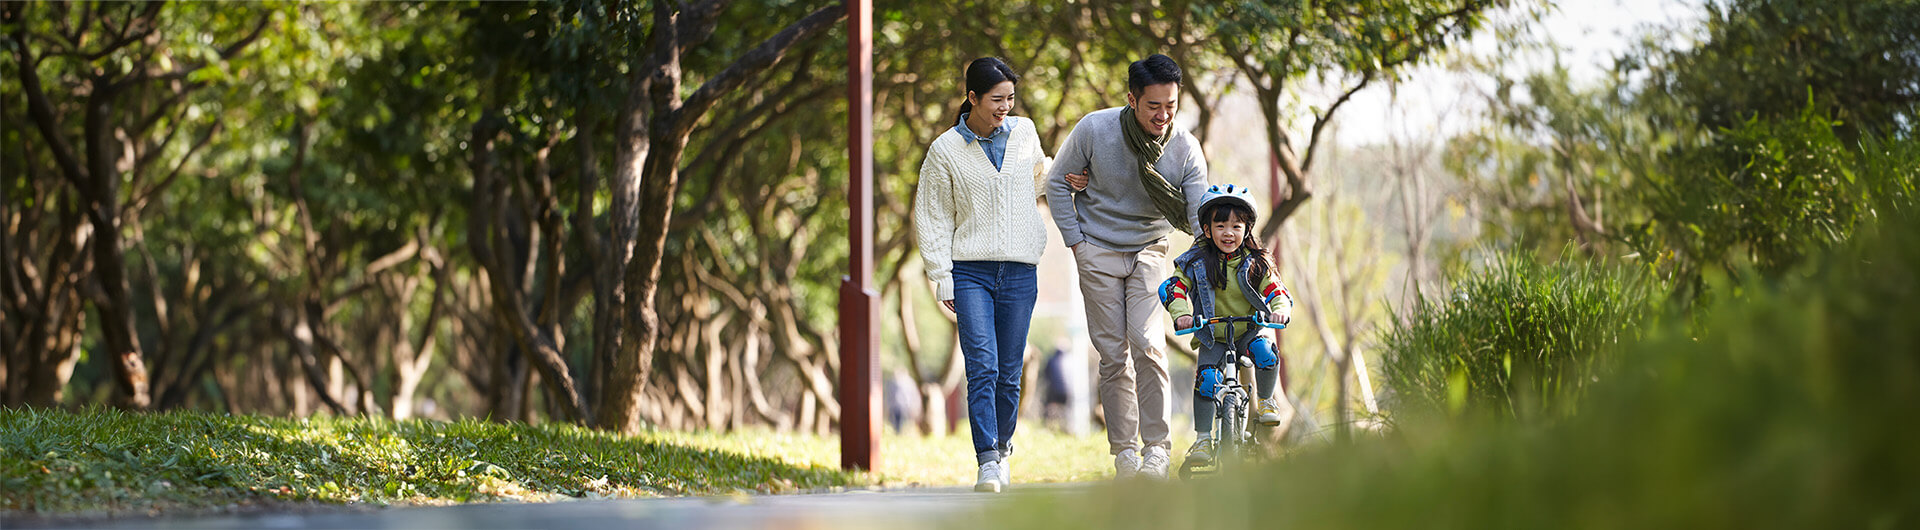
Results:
<point x="1040" y="455"/>
<point x="109" y="461"/>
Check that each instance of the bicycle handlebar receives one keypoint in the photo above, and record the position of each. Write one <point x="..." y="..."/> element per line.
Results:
<point x="1215" y="320"/>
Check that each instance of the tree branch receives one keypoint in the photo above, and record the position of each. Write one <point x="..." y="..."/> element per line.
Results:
<point x="762" y="57"/>
<point x="42" y="112"/>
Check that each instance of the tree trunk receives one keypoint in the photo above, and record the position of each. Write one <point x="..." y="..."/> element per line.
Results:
<point x="669" y="120"/>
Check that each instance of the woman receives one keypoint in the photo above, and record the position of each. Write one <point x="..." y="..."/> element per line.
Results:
<point x="981" y="234"/>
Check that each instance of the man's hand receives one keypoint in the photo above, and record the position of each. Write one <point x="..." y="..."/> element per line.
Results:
<point x="1078" y="181"/>
<point x="1184" y="322"/>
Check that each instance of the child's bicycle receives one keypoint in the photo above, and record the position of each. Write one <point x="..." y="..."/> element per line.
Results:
<point x="1232" y="441"/>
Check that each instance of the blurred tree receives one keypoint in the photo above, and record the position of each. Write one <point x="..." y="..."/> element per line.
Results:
<point x="1277" y="46"/>
<point x="1858" y="62"/>
<point x="104" y="85"/>
<point x="654" y="122"/>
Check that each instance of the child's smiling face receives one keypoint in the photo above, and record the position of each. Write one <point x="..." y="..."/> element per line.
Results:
<point x="1227" y="234"/>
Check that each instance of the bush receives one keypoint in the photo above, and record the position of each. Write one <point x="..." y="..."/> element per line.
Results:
<point x="1766" y="195"/>
<point x="1517" y="339"/>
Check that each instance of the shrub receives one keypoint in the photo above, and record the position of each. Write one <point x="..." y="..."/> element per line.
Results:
<point x="1519" y="338"/>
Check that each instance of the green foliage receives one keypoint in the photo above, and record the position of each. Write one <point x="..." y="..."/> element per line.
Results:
<point x="1762" y="57"/>
<point x="1549" y="140"/>
<point x="1767" y="195"/>
<point x="1521" y="338"/>
<point x="1790" y="411"/>
<point x="1291" y="38"/>
<point x="103" y="460"/>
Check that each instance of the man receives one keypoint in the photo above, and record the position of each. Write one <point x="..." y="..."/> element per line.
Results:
<point x="1123" y="181"/>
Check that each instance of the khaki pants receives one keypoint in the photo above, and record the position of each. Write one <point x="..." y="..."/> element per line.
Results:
<point x="1121" y="290"/>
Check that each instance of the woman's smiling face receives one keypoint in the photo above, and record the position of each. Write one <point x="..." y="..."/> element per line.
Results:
<point x="994" y="105"/>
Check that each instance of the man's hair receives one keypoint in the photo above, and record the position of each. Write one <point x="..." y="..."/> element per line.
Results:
<point x="1156" y="69"/>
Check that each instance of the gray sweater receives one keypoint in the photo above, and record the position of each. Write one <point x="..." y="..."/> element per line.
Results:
<point x="1114" y="211"/>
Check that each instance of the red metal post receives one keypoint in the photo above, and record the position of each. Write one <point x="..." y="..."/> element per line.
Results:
<point x="859" y="301"/>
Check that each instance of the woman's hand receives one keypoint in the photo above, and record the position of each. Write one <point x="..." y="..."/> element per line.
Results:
<point x="949" y="304"/>
<point x="1078" y="181"/>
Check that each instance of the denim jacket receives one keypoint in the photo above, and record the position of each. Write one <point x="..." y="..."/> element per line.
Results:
<point x="1189" y="291"/>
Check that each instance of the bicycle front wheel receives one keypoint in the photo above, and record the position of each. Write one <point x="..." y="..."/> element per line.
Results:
<point x="1230" y="424"/>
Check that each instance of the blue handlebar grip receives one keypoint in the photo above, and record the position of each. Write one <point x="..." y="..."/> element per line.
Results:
<point x="1270" y="325"/>
<point x="1189" y="331"/>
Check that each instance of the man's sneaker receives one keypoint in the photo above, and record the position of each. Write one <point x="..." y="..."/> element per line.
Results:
<point x="1273" y="413"/>
<point x="1126" y="464"/>
<point x="989" y="477"/>
<point x="1202" y="451"/>
<point x="1154" y="465"/>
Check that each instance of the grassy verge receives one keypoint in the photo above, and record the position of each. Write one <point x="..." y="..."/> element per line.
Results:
<point x="107" y="462"/>
<point x="104" y="462"/>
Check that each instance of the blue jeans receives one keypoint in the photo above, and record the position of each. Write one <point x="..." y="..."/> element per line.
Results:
<point x="993" y="301"/>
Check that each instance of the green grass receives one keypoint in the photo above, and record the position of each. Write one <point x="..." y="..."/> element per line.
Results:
<point x="1522" y="338"/>
<point x="106" y="461"/>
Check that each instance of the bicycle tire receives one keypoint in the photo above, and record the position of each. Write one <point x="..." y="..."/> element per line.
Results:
<point x="1228" y="444"/>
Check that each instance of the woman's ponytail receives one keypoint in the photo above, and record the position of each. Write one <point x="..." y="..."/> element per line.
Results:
<point x="966" y="106"/>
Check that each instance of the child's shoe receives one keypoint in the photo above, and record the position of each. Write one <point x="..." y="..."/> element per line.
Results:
<point x="1202" y="451"/>
<point x="1273" y="413"/>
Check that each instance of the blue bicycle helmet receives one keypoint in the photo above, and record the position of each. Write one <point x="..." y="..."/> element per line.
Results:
<point x="1228" y="192"/>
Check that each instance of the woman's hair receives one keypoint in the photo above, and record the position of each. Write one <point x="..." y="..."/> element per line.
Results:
<point x="982" y="75"/>
<point x="1223" y="211"/>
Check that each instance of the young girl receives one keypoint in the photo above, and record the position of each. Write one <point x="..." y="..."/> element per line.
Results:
<point x="1227" y="274"/>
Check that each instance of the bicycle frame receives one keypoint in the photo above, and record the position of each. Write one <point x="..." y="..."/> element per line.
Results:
<point x="1232" y="395"/>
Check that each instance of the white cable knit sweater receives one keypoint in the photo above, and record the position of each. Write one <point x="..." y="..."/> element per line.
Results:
<point x="966" y="210"/>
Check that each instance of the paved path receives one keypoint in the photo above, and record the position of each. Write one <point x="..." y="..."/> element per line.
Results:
<point x="904" y="508"/>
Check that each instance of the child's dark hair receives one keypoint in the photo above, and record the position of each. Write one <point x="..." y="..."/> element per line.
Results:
<point x="1224" y="211"/>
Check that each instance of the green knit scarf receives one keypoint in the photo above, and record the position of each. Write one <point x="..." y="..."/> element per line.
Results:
<point x="1147" y="149"/>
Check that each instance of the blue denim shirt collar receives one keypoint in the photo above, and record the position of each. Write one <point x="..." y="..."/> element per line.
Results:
<point x="994" y="145"/>
<point x="999" y="133"/>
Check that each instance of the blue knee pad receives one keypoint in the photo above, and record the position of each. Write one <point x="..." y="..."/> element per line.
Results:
<point x="1206" y="382"/>
<point x="1265" y="354"/>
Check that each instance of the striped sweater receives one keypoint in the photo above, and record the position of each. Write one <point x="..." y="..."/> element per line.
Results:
<point x="965" y="210"/>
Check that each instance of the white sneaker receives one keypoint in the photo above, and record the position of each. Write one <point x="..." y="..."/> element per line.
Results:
<point x="990" y="476"/>
<point x="1126" y="464"/>
<point x="1154" y="465"/>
